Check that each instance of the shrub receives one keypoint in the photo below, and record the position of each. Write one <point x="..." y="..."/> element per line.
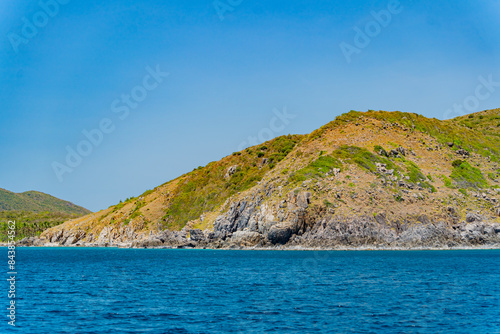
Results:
<point x="447" y="182"/>
<point x="414" y="172"/>
<point x="466" y="176"/>
<point x="362" y="157"/>
<point x="147" y="192"/>
<point x="380" y="151"/>
<point x="327" y="203"/>
<point x="316" y="169"/>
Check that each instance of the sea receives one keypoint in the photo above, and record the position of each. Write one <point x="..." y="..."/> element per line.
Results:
<point x="109" y="290"/>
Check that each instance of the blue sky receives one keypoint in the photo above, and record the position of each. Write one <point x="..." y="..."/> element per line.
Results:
<point x="229" y="73"/>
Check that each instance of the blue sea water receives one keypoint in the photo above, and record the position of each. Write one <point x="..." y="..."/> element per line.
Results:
<point x="96" y="290"/>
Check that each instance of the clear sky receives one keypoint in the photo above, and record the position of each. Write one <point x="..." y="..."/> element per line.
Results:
<point x="232" y="65"/>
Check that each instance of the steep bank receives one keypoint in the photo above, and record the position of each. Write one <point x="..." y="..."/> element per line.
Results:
<point x="374" y="179"/>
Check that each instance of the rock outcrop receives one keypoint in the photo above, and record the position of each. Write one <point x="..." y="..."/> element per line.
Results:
<point x="294" y="224"/>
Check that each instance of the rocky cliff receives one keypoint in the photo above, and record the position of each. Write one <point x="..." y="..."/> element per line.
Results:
<point x="365" y="180"/>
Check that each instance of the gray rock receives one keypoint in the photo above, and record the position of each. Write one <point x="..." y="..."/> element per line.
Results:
<point x="279" y="235"/>
<point x="246" y="238"/>
<point x="380" y="218"/>
<point x="424" y="219"/>
<point x="303" y="199"/>
<point x="473" y="217"/>
<point x="401" y="150"/>
<point x="230" y="171"/>
<point x="148" y="243"/>
<point x="196" y="235"/>
<point x="393" y="153"/>
<point x="451" y="210"/>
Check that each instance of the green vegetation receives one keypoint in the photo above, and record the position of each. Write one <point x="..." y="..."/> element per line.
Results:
<point x="118" y="206"/>
<point x="380" y="151"/>
<point x="135" y="214"/>
<point x="466" y="176"/>
<point x="362" y="157"/>
<point x="35" y="201"/>
<point x="414" y="172"/>
<point x="147" y="192"/>
<point x="316" y="169"/>
<point x="416" y="176"/>
<point x="206" y="189"/>
<point x="30" y="224"/>
<point x="471" y="132"/>
<point x="34" y="212"/>
<point x="328" y="204"/>
<point x="398" y="198"/>
<point x="447" y="182"/>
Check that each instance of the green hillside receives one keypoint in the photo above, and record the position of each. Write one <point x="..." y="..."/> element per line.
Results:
<point x="34" y="201"/>
<point x="30" y="224"/>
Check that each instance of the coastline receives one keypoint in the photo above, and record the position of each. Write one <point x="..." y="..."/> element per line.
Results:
<point x="278" y="248"/>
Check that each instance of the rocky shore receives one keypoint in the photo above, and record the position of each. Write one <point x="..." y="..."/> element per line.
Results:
<point x="244" y="227"/>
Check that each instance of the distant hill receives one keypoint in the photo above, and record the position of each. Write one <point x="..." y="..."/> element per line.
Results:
<point x="35" y="201"/>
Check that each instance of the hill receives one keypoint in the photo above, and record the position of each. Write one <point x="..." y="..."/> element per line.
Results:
<point x="34" y="201"/>
<point x="34" y="212"/>
<point x="366" y="179"/>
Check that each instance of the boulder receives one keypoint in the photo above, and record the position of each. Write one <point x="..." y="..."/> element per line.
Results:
<point x="246" y="237"/>
<point x="303" y="199"/>
<point x="473" y="217"/>
<point x="196" y="235"/>
<point x="401" y="150"/>
<point x="279" y="235"/>
<point x="424" y="220"/>
<point x="380" y="218"/>
<point x="150" y="243"/>
<point x="394" y="153"/>
<point x="451" y="210"/>
<point x="230" y="171"/>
